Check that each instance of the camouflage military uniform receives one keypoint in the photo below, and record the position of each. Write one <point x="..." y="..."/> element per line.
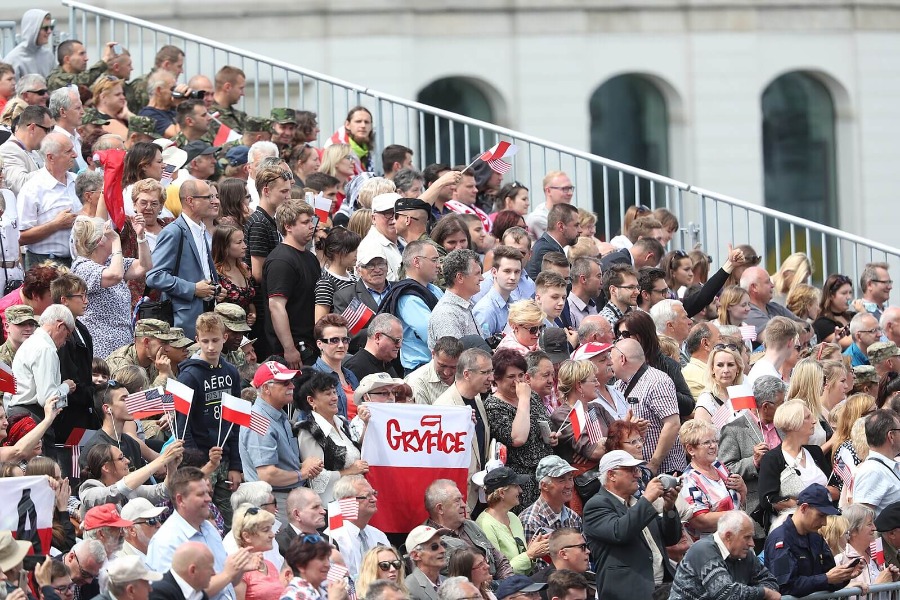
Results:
<point x="230" y="116"/>
<point x="180" y="141"/>
<point x="126" y="356"/>
<point x="237" y="358"/>
<point x="7" y="353"/>
<point x="60" y="79"/>
<point x="136" y="94"/>
<point x="142" y="125"/>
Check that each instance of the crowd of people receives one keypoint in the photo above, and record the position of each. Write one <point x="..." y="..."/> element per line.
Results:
<point x="645" y="425"/>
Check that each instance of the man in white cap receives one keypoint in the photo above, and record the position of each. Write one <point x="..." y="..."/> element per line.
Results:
<point x="383" y="234"/>
<point x="145" y="523"/>
<point x="427" y="554"/>
<point x="628" y="532"/>
<point x="129" y="579"/>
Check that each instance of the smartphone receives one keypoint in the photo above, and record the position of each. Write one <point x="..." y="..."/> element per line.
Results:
<point x="632" y="400"/>
<point x="30" y="562"/>
<point x="117" y="49"/>
<point x="23" y="580"/>
<point x="854" y="562"/>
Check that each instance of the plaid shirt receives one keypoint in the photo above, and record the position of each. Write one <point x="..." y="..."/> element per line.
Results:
<point x="655" y="392"/>
<point x="611" y="313"/>
<point x="451" y="316"/>
<point x="539" y="516"/>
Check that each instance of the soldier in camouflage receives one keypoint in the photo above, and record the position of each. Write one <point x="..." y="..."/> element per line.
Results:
<point x="148" y="351"/>
<point x="72" y="69"/>
<point x="193" y="121"/>
<point x="235" y="319"/>
<point x="256" y="129"/>
<point x="284" y="124"/>
<point x="140" y="129"/>
<point x="230" y="82"/>
<point x="20" y="324"/>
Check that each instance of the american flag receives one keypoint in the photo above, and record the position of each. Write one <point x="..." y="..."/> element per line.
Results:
<point x="145" y="403"/>
<point x="259" y="423"/>
<point x="336" y="573"/>
<point x="349" y="508"/>
<point x="876" y="549"/>
<point x="499" y="166"/>
<point x="723" y="415"/>
<point x="357" y="315"/>
<point x="844" y="472"/>
<point x="593" y="426"/>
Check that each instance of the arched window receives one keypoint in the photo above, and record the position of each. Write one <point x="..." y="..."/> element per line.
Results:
<point x="630" y="124"/>
<point x="799" y="150"/>
<point x="462" y="96"/>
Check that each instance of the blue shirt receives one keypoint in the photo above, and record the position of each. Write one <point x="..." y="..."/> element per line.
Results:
<point x="176" y="531"/>
<point x="278" y="447"/>
<point x="349" y="377"/>
<point x="524" y="291"/>
<point x="857" y="356"/>
<point x="414" y="314"/>
<point x="491" y="313"/>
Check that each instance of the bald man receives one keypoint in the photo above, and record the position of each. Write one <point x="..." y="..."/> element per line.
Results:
<point x="760" y="288"/>
<point x="192" y="569"/>
<point x="595" y="328"/>
<point x="890" y="323"/>
<point x="651" y="393"/>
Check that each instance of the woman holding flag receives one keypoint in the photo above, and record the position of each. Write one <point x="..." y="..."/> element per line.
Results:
<point x="863" y="546"/>
<point x="725" y="369"/>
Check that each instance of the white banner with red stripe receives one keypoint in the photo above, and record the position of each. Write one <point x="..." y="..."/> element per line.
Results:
<point x="407" y="447"/>
<point x="32" y="521"/>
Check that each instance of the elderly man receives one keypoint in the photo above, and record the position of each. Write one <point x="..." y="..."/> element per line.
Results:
<point x="568" y="551"/>
<point x="889" y="321"/>
<point x="128" y="579"/>
<point x="190" y="494"/>
<point x="670" y="319"/>
<point x="760" y="288"/>
<point x="474" y="376"/>
<point x="161" y="104"/>
<point x="383" y="233"/>
<point x="447" y="511"/>
<point x="48" y="204"/>
<point x="306" y="516"/>
<point x="723" y="565"/>
<point x="698" y="345"/>
<point x="66" y="109"/>
<point x="103" y="523"/>
<point x="385" y="336"/>
<point x="386" y="589"/>
<point x="629" y="534"/>
<point x="370" y="289"/>
<point x="32" y="90"/>
<point x="357" y="537"/>
<point x="84" y="561"/>
<point x="885" y="357"/>
<point x="453" y="314"/>
<point x="145" y="522"/>
<point x="192" y="288"/>
<point x="426" y="552"/>
<point x="190" y="575"/>
<point x="549" y="511"/>
<point x="595" y="329"/>
<point x="864" y="331"/>
<point x="656" y="402"/>
<point x="558" y="189"/>
<point x="433" y="378"/>
<point x="147" y="352"/>
<point x="876" y="285"/>
<point x="273" y="457"/>
<point x="876" y="478"/>
<point x="797" y="555"/>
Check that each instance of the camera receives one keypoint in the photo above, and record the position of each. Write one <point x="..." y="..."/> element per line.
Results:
<point x="192" y="95"/>
<point x="668" y="482"/>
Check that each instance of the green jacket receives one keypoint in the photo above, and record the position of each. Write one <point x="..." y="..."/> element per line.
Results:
<point x="60" y="79"/>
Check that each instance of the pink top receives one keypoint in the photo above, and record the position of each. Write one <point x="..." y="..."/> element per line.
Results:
<point x="13" y="298"/>
<point x="262" y="586"/>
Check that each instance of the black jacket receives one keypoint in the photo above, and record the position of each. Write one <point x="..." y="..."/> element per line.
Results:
<point x="771" y="466"/>
<point x="541" y="247"/>
<point x="671" y="368"/>
<point x="167" y="589"/>
<point x="75" y="358"/>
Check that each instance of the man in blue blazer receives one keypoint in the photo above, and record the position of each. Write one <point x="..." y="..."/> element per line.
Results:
<point x="182" y="260"/>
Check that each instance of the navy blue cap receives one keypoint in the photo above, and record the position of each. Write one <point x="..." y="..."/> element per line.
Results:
<point x="237" y="155"/>
<point x="515" y="584"/>
<point x="817" y="496"/>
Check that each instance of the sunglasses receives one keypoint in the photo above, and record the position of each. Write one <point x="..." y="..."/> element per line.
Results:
<point x="333" y="341"/>
<point x="434" y="547"/>
<point x="536" y="330"/>
<point x="41" y="92"/>
<point x="726" y="347"/>
<point x="642" y="208"/>
<point x="623" y="334"/>
<point x="583" y="547"/>
<point x="385" y="565"/>
<point x="752" y="260"/>
<point x="152" y="522"/>
<point x="48" y="27"/>
<point x="839" y="281"/>
<point x="307" y="539"/>
<point x="113" y="384"/>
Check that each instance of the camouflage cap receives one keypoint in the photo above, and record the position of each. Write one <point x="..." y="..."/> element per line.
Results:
<point x="143" y="125"/>
<point x="865" y="374"/>
<point x="182" y="341"/>
<point x="881" y="351"/>
<point x="234" y="316"/>
<point x="257" y="125"/>
<point x="282" y="116"/>
<point x="156" y="329"/>
<point x="20" y="313"/>
<point x="92" y="116"/>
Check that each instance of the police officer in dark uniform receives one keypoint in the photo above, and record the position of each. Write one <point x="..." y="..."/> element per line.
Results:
<point x="798" y="556"/>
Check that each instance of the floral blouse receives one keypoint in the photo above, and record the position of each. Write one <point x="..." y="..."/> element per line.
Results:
<point x="301" y="589"/>
<point x="242" y="296"/>
<point x="706" y="495"/>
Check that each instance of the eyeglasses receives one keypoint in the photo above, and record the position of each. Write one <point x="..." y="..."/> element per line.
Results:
<point x="623" y="334"/>
<point x="334" y="341"/>
<point x="383" y="393"/>
<point x="62" y="589"/>
<point x="385" y="565"/>
<point x="41" y="92"/>
<point x="206" y="197"/>
<point x="48" y="27"/>
<point x="397" y="341"/>
<point x="84" y="574"/>
<point x="83" y="296"/>
<point x="840" y="280"/>
<point x="676" y="256"/>
<point x="371" y="495"/>
<point x="630" y="288"/>
<point x="885" y="281"/>
<point x="726" y="347"/>
<point x="145" y="204"/>
<point x="382" y="266"/>
<point x="876" y="330"/>
<point x="566" y="189"/>
<point x="643" y="208"/>
<point x="435" y="259"/>
<point x="633" y="470"/>
<point x="583" y="547"/>
<point x="709" y="443"/>
<point x="434" y="547"/>
<point x="46" y="129"/>
<point x="635" y="442"/>
<point x="664" y="291"/>
<point x="274" y="503"/>
<point x="752" y="259"/>
<point x="536" y="330"/>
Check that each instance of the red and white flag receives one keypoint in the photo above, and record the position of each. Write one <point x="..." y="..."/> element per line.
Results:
<point x="225" y="134"/>
<point x="358" y="316"/>
<point x="77" y="439"/>
<point x="407" y="447"/>
<point x="876" y="550"/>
<point x="29" y="504"/>
<point x="182" y="394"/>
<point x="322" y="207"/>
<point x="240" y="412"/>
<point x="146" y="403"/>
<point x="741" y="397"/>
<point x="578" y="420"/>
<point x="499" y="150"/>
<point x="7" y="380"/>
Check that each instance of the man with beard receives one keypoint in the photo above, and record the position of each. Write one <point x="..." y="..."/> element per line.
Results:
<point x="145" y="523"/>
<point x="358" y="133"/>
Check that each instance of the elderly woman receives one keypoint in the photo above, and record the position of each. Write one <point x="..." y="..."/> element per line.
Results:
<point x="503" y="487"/>
<point x="725" y="368"/>
<point x="526" y="319"/>
<point x="325" y="434"/>
<point x="795" y="463"/>
<point x="309" y="557"/>
<point x="518" y="419"/>
<point x="380" y="562"/>
<point x="103" y="268"/>
<point x="376" y="387"/>
<point x="861" y="528"/>
<point x="251" y="527"/>
<point x="472" y="564"/>
<point x="708" y="487"/>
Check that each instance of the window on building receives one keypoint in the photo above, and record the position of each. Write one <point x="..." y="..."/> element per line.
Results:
<point x="462" y="96"/>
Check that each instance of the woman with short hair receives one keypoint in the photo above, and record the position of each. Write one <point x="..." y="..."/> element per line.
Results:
<point x="251" y="527"/>
<point x="861" y="530"/>
<point x="309" y="557"/>
<point x="526" y="319"/>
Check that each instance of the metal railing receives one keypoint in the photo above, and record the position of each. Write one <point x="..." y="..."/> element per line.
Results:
<point x="604" y="186"/>
<point x="890" y="590"/>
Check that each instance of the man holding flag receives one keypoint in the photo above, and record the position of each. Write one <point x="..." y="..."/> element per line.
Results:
<point x="273" y="457"/>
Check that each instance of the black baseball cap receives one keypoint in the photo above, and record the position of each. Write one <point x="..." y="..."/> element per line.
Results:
<point x="411" y="204"/>
<point x="502" y="477"/>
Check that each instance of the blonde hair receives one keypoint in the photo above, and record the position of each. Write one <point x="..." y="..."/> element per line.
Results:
<point x="368" y="570"/>
<point x="585" y="246"/>
<point x="731" y="296"/>
<point x="549" y="177"/>
<point x="13" y="109"/>
<point x="833" y="369"/>
<point x="714" y="386"/>
<point x="148" y="186"/>
<point x="246" y="522"/>
<point x="795" y="269"/>
<point x="586" y="218"/>
<point x="850" y="412"/>
<point x="526" y="313"/>
<point x="801" y="297"/>
<point x="360" y="222"/>
<point x="859" y="440"/>
<point x="807" y="384"/>
<point x="694" y="431"/>
<point x="669" y="347"/>
<point x="374" y="187"/>
<point x="573" y="372"/>
<point x="103" y="85"/>
<point x="86" y="234"/>
<point x="332" y="155"/>
<point x="833" y="531"/>
<point x="789" y="416"/>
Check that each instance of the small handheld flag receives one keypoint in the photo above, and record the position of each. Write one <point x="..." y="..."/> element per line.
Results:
<point x="578" y="420"/>
<point x="182" y="394"/>
<point x="741" y="397"/>
<point x="145" y="403"/>
<point x="7" y="380"/>
<point x="358" y="316"/>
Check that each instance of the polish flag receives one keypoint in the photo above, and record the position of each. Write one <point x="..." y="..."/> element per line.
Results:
<point x="7" y="380"/>
<point x="876" y="549"/>
<point x="578" y="420"/>
<point x="225" y="134"/>
<point x="407" y="446"/>
<point x="322" y="207"/>
<point x="239" y="411"/>
<point x="335" y="517"/>
<point x="500" y="150"/>
<point x="182" y="394"/>
<point x="741" y="397"/>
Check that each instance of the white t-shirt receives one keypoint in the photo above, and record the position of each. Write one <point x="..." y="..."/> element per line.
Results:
<point x="877" y="482"/>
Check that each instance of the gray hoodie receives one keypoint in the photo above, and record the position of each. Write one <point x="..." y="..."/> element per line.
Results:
<point x="28" y="57"/>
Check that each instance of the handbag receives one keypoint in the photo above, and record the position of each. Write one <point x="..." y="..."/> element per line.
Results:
<point x="587" y="484"/>
<point x="161" y="310"/>
<point x="791" y="483"/>
<point x="11" y="284"/>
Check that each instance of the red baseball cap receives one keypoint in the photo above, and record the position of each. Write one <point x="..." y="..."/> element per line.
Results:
<point x="105" y="515"/>
<point x="590" y="350"/>
<point x="272" y="371"/>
